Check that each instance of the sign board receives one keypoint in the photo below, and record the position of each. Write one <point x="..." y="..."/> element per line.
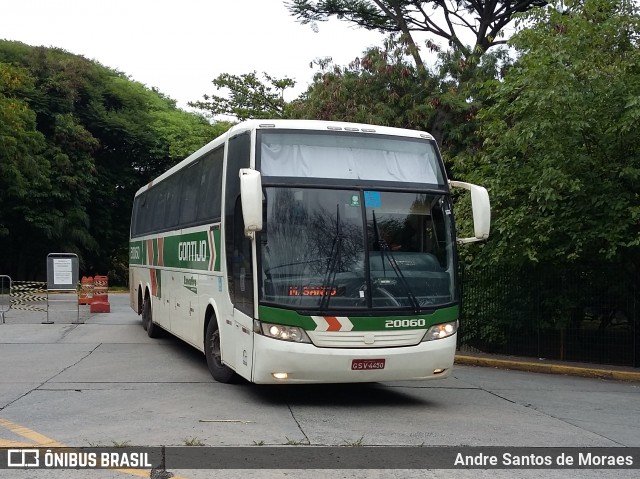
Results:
<point x="62" y="271"/>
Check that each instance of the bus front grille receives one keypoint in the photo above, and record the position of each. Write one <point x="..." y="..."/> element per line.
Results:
<point x="366" y="339"/>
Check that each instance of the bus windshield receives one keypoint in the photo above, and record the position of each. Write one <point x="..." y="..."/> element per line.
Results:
<point x="330" y="249"/>
<point x="349" y="157"/>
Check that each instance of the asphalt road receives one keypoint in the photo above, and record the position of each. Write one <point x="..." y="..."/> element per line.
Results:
<point x="103" y="382"/>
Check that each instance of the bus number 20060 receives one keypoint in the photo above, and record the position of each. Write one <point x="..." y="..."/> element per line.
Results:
<point x="405" y="323"/>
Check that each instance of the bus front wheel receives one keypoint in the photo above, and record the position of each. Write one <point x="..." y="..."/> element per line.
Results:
<point x="213" y="353"/>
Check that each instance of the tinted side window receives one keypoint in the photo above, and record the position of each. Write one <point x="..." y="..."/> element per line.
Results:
<point x="158" y="197"/>
<point x="172" y="202"/>
<point x="210" y="195"/>
<point x="135" y="214"/>
<point x="190" y="180"/>
<point x="191" y="196"/>
<point x="146" y="213"/>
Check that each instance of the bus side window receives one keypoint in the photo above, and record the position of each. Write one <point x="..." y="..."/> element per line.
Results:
<point x="210" y="192"/>
<point x="190" y="186"/>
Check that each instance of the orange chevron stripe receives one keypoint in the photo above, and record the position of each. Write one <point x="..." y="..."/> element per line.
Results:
<point x="160" y="251"/>
<point x="334" y="323"/>
<point x="154" y="283"/>
<point x="150" y="252"/>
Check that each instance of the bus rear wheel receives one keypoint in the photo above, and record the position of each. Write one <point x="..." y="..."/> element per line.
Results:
<point x="153" y="330"/>
<point x="213" y="353"/>
<point x="146" y="312"/>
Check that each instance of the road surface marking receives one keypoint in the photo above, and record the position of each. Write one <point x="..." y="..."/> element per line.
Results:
<point x="40" y="440"/>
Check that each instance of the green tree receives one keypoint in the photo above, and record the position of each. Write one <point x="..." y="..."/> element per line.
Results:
<point x="449" y="107"/>
<point x="482" y="20"/>
<point x="248" y="96"/>
<point x="389" y="85"/>
<point x="561" y="149"/>
<point x="77" y="140"/>
<point x="24" y="172"/>
<point x="384" y="87"/>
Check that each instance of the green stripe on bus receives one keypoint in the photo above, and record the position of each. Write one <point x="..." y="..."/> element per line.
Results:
<point x="288" y="317"/>
<point x="188" y="251"/>
<point x="137" y="252"/>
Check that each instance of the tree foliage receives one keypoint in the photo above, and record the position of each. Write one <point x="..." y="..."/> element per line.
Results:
<point x="76" y="142"/>
<point x="248" y="96"/>
<point x="389" y="85"/>
<point x="384" y="87"/>
<point x="451" y="20"/>
<point x="561" y="145"/>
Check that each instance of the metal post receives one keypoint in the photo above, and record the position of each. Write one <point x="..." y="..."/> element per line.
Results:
<point x="5" y="295"/>
<point x="636" y="321"/>
<point x="47" y="321"/>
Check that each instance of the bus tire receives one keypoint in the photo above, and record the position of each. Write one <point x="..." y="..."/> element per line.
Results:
<point x="213" y="353"/>
<point x="141" y="310"/>
<point x="145" y="312"/>
<point x="153" y="330"/>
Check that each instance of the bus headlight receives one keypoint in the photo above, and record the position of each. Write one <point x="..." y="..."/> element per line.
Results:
<point x="281" y="332"/>
<point x="440" y="331"/>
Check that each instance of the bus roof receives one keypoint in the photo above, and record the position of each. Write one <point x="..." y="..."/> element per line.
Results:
<point x="326" y="125"/>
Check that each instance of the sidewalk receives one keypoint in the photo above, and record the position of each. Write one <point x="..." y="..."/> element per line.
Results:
<point x="603" y="371"/>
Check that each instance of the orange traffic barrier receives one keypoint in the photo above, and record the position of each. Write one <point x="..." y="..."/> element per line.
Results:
<point x="100" y="302"/>
<point x="86" y="290"/>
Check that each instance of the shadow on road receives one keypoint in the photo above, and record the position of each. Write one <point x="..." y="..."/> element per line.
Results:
<point x="343" y="395"/>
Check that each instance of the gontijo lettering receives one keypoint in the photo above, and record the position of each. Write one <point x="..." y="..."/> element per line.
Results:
<point x="192" y="251"/>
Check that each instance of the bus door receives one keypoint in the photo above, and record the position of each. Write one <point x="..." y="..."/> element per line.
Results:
<point x="237" y="337"/>
<point x="241" y="291"/>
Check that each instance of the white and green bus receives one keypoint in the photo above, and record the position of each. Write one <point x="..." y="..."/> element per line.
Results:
<point x="293" y="251"/>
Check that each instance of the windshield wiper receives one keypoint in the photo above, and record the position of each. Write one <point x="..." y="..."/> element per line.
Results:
<point x="384" y="248"/>
<point x="334" y="258"/>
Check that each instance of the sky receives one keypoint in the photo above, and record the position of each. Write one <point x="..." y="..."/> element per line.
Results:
<point x="180" y="46"/>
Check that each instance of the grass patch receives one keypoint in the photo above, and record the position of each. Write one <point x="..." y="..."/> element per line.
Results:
<point x="193" y="441"/>
<point x="120" y="444"/>
<point x="293" y="442"/>
<point x="356" y="443"/>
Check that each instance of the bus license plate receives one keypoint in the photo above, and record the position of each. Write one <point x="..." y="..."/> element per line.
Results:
<point x="366" y="364"/>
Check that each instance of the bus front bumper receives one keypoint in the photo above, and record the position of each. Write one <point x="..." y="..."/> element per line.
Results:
<point x="281" y="362"/>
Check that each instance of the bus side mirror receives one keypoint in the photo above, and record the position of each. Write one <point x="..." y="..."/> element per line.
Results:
<point x="481" y="211"/>
<point x="251" y="197"/>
